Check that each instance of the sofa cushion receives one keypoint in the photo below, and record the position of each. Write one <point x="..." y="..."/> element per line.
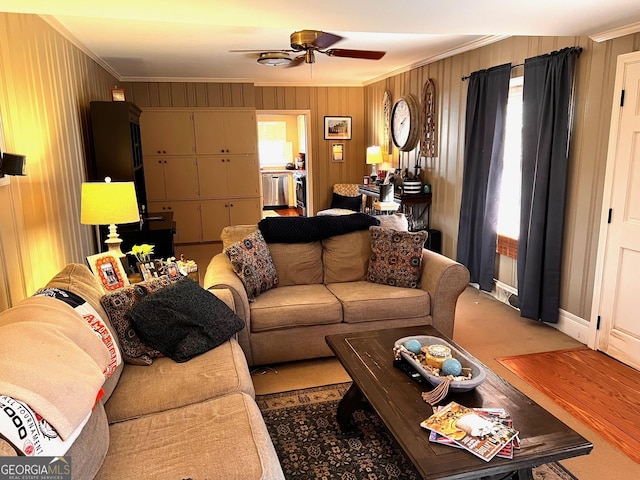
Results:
<point x="252" y="262"/>
<point x="368" y="302"/>
<point x="118" y="306"/>
<point x="346" y="257"/>
<point x="166" y="384"/>
<point x="397" y="221"/>
<point x="90" y="448"/>
<point x="396" y="257"/>
<point x="294" y="306"/>
<point x="221" y="438"/>
<point x="78" y="279"/>
<point x="297" y="263"/>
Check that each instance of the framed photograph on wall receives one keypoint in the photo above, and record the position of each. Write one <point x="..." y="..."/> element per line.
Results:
<point x="117" y="95"/>
<point x="337" y="128"/>
<point x="337" y="152"/>
<point x="109" y="270"/>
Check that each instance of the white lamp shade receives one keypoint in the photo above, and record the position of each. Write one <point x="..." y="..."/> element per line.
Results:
<point x="374" y="155"/>
<point x="109" y="203"/>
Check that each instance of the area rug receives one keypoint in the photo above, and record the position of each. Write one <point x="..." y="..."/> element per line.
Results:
<point x="596" y="389"/>
<point x="310" y="444"/>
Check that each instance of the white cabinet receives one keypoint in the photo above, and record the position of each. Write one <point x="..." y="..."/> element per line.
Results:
<point x="167" y="132"/>
<point x="203" y="166"/>
<point x="226" y="131"/>
<point x="229" y="176"/>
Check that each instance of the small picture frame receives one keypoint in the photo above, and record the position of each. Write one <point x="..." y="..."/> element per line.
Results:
<point x="172" y="270"/>
<point x="148" y="270"/>
<point x="337" y="152"/>
<point x="337" y="128"/>
<point x="117" y="95"/>
<point x="108" y="270"/>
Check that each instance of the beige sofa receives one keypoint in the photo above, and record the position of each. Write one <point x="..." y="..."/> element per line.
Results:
<point x="322" y="290"/>
<point x="192" y="420"/>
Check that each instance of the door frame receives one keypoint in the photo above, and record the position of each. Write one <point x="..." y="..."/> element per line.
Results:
<point x="309" y="155"/>
<point x="594" y="333"/>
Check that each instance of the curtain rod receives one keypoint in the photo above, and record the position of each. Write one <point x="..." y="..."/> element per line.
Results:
<point x="512" y="67"/>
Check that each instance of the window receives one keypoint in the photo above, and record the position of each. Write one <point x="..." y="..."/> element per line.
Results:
<point x="509" y="214"/>
<point x="273" y="148"/>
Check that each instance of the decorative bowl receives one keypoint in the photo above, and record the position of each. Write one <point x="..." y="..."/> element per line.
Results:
<point x="478" y="374"/>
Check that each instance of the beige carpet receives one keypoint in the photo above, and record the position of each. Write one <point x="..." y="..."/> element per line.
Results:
<point x="596" y="389"/>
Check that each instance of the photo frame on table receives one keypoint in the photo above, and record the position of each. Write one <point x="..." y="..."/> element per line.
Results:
<point x="117" y="95"/>
<point x="337" y="128"/>
<point x="108" y="270"/>
<point x="148" y="270"/>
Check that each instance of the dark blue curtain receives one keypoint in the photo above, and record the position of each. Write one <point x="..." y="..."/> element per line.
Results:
<point x="487" y="96"/>
<point x="547" y="106"/>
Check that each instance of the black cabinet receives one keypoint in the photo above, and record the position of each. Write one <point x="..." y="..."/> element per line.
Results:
<point x="117" y="146"/>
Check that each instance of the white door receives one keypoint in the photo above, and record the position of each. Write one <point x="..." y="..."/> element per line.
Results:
<point x="618" y="267"/>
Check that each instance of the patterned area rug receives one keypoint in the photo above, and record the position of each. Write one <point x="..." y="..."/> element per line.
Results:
<point x="310" y="445"/>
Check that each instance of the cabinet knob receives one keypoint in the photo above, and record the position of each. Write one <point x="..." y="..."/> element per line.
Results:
<point x="231" y="204"/>
<point x="159" y="161"/>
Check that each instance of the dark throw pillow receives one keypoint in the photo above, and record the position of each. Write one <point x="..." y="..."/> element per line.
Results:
<point x="184" y="320"/>
<point x="348" y="203"/>
<point x="396" y="257"/>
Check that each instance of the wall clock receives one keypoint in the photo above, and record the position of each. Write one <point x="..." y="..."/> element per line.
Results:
<point x="387" y="104"/>
<point x="405" y="123"/>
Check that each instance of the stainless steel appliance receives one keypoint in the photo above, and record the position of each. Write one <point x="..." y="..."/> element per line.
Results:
<point x="275" y="190"/>
<point x="300" y="181"/>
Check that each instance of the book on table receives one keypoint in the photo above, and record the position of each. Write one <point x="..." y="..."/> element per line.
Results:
<point x="483" y="432"/>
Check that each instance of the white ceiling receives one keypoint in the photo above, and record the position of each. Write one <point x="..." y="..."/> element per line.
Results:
<point x="189" y="40"/>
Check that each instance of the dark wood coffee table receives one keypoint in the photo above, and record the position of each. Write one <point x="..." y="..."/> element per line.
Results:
<point x="368" y="358"/>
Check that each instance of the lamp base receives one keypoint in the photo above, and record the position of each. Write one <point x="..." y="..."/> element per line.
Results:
<point x="113" y="242"/>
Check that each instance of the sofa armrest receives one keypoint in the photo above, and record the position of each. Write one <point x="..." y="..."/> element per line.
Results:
<point x="445" y="280"/>
<point x="220" y="275"/>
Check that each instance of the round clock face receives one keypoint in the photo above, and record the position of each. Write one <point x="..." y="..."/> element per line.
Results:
<point x="404" y="123"/>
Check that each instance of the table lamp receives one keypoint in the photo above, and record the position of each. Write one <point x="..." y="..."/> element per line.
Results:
<point x="374" y="157"/>
<point x="109" y="203"/>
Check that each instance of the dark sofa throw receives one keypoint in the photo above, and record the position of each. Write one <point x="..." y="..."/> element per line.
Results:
<point x="184" y="320"/>
<point x="348" y="203"/>
<point x="311" y="229"/>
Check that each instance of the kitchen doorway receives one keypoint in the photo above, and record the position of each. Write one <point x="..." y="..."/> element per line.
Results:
<point x="284" y="148"/>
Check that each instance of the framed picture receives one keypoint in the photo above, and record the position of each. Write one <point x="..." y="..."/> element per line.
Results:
<point x="148" y="270"/>
<point x="172" y="270"/>
<point x="337" y="152"/>
<point x="109" y="270"/>
<point x="337" y="128"/>
<point x="117" y="95"/>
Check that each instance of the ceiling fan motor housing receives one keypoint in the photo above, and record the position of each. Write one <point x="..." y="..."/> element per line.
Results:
<point x="304" y="39"/>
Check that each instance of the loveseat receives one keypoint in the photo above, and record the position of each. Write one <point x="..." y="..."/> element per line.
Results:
<point x="324" y="287"/>
<point x="165" y="420"/>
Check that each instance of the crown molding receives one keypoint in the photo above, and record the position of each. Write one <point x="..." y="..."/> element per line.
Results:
<point x="62" y="30"/>
<point x="616" y="32"/>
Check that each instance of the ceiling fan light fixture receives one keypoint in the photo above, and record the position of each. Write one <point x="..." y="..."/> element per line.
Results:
<point x="274" y="59"/>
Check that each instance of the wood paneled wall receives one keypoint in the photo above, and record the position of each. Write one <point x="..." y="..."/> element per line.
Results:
<point x="46" y="84"/>
<point x="594" y="96"/>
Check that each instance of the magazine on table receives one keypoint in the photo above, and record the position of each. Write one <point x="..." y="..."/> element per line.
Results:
<point x="500" y="414"/>
<point x="484" y="436"/>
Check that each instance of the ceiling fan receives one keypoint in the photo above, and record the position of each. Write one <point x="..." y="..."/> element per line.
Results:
<point x="308" y="43"/>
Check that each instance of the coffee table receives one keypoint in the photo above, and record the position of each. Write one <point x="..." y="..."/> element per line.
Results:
<point x="377" y="383"/>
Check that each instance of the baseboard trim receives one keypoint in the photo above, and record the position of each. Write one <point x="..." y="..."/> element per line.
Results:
<point x="572" y="325"/>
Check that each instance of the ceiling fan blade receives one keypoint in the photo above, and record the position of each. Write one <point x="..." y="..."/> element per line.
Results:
<point x="345" y="52"/>
<point x="262" y="50"/>
<point x="325" y="40"/>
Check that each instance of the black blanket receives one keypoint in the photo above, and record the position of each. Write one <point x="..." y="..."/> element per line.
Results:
<point x="311" y="229"/>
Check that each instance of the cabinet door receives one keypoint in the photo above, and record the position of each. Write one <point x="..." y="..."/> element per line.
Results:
<point x="243" y="176"/>
<point x="154" y="179"/>
<point x="186" y="214"/>
<point x="212" y="177"/>
<point x="233" y="132"/>
<point x="244" y="211"/>
<point x="209" y="133"/>
<point x="167" y="133"/>
<point x="215" y="216"/>
<point x="181" y="178"/>
<point x="241" y="132"/>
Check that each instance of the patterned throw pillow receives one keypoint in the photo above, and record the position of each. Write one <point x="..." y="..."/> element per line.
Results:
<point x="252" y="262"/>
<point x="118" y="305"/>
<point x="396" y="257"/>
